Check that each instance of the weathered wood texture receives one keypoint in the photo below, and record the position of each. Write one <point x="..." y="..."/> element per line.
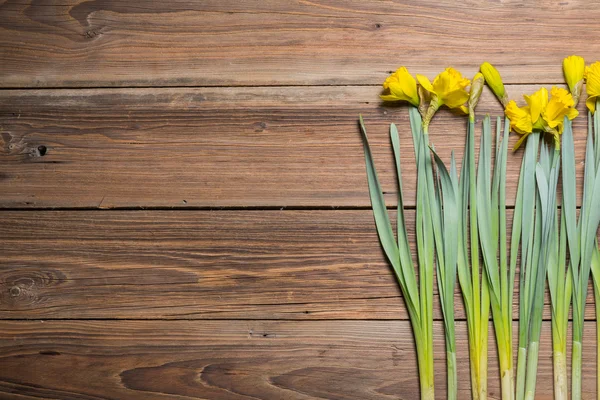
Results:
<point x="215" y="147"/>
<point x="182" y="42"/>
<point x="233" y="104"/>
<point x="235" y="360"/>
<point x="200" y="265"/>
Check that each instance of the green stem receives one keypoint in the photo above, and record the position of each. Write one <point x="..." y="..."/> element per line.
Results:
<point x="521" y="372"/>
<point x="530" y="381"/>
<point x="506" y="373"/>
<point x="426" y="379"/>
<point x="452" y="375"/>
<point x="576" y="371"/>
<point x="597" y="301"/>
<point x="560" y="375"/>
<point x="508" y="384"/>
<point x="597" y="350"/>
<point x="478" y="364"/>
<point x="425" y="362"/>
<point x="427" y="392"/>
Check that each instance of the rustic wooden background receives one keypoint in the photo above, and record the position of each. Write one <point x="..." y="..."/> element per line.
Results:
<point x="184" y="209"/>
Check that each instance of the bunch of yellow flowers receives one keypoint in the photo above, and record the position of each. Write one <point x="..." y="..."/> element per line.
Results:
<point x="542" y="113"/>
<point x="461" y="219"/>
<point x="449" y="88"/>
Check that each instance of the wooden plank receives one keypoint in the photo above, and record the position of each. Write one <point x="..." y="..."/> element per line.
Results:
<point x="184" y="43"/>
<point x="235" y="360"/>
<point x="200" y="265"/>
<point x="214" y="147"/>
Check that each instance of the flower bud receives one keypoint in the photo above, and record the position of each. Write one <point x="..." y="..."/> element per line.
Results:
<point x="475" y="92"/>
<point x="494" y="81"/>
<point x="574" y="69"/>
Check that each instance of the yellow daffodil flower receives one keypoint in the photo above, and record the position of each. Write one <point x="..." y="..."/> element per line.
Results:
<point x="527" y="119"/>
<point x="448" y="88"/>
<point x="541" y="114"/>
<point x="401" y="86"/>
<point x="520" y="118"/>
<point x="494" y="81"/>
<point x="560" y="105"/>
<point x="520" y="121"/>
<point x="592" y="77"/>
<point x="537" y="103"/>
<point x="574" y="69"/>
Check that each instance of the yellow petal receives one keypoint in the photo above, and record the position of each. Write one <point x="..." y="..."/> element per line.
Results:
<point x="388" y="97"/>
<point x="560" y="105"/>
<point x="520" y="118"/>
<point x="409" y="85"/>
<point x="592" y="75"/>
<point x="591" y="104"/>
<point x="537" y="103"/>
<point x="424" y="81"/>
<point x="520" y="141"/>
<point x="572" y="113"/>
<point x="456" y="98"/>
<point x="450" y="87"/>
<point x="401" y="86"/>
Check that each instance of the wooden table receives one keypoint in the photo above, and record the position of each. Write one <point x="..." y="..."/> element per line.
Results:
<point x="184" y="203"/>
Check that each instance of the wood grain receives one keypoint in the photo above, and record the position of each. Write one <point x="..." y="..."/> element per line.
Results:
<point x="215" y="147"/>
<point x="237" y="360"/>
<point x="110" y="108"/>
<point x="326" y="42"/>
<point x="200" y="265"/>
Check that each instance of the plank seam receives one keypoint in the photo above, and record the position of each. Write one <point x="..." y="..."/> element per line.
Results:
<point x="28" y="88"/>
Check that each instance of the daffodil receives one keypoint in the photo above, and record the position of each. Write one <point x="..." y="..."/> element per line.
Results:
<point x="592" y="77"/>
<point x="541" y="114"/>
<point x="448" y="88"/>
<point x="537" y="103"/>
<point x="574" y="69"/>
<point x="525" y="120"/>
<point x="520" y="118"/>
<point x="561" y="104"/>
<point x="401" y="86"/>
<point x="494" y="81"/>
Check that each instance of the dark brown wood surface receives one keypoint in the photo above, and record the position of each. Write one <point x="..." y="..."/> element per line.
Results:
<point x="201" y="265"/>
<point x="326" y="42"/>
<point x="183" y="204"/>
<point x="236" y="360"/>
<point x="216" y="147"/>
